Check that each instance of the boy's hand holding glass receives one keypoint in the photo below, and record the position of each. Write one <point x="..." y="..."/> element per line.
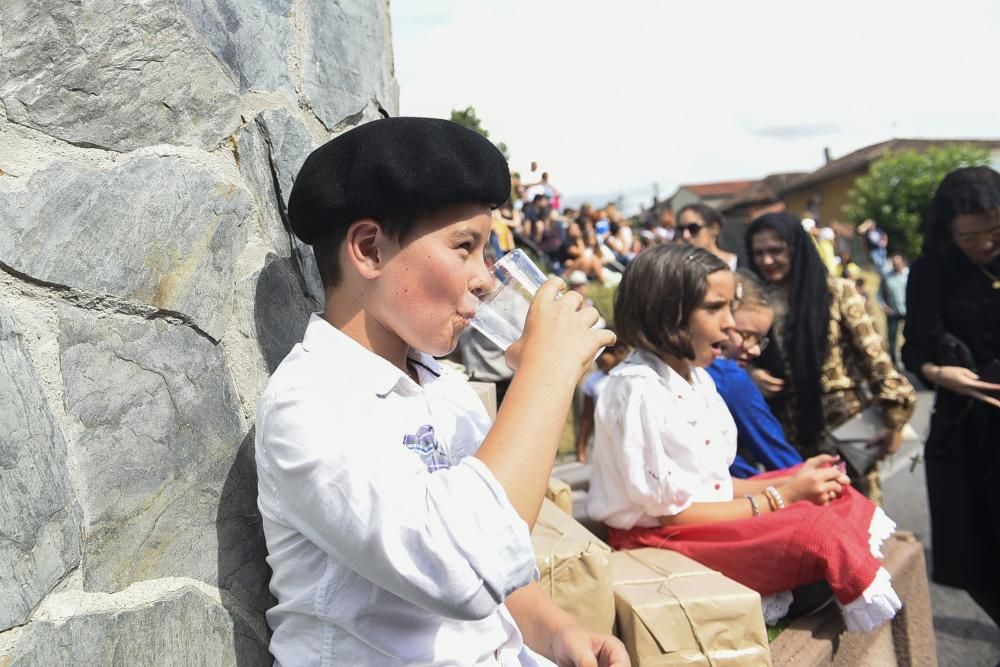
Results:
<point x="535" y="322"/>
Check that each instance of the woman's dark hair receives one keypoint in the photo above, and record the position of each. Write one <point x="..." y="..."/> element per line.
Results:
<point x="804" y="334"/>
<point x="660" y="289"/>
<point x="711" y="217"/>
<point x="965" y="190"/>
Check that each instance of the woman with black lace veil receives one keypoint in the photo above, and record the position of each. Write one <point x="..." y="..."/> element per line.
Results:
<point x="952" y="337"/>
<point x="829" y="362"/>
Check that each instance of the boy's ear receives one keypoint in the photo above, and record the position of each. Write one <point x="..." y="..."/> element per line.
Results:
<point x="366" y="249"/>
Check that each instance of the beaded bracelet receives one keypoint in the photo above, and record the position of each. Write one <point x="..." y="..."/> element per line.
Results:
<point x="775" y="495"/>
<point x="753" y="504"/>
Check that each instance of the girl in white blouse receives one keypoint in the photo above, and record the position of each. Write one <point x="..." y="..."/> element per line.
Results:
<point x="664" y="441"/>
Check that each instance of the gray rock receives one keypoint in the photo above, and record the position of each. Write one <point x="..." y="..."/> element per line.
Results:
<point x="116" y="75"/>
<point x="347" y="60"/>
<point x="185" y="627"/>
<point x="272" y="150"/>
<point x="39" y="520"/>
<point x="281" y="310"/>
<point x="253" y="37"/>
<point x="162" y="434"/>
<point x="163" y="231"/>
<point x="289" y="142"/>
<point x="254" y="158"/>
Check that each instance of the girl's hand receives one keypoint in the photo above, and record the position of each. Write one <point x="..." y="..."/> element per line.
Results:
<point x="817" y="481"/>
<point x="575" y="646"/>
<point x="962" y="381"/>
<point x="558" y="337"/>
<point x="768" y="384"/>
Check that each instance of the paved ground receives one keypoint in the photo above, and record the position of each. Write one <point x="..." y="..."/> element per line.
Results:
<point x="965" y="635"/>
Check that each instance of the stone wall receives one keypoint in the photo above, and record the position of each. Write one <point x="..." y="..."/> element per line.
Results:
<point x="148" y="285"/>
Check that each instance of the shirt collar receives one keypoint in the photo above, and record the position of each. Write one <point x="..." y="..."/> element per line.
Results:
<point x="369" y="371"/>
<point x="642" y="362"/>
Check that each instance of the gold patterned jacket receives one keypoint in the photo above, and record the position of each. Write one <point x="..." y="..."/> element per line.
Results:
<point x="857" y="366"/>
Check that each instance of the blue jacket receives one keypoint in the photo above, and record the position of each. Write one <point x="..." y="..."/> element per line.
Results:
<point x="758" y="430"/>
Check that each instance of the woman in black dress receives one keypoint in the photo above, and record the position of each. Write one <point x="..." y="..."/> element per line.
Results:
<point x="952" y="334"/>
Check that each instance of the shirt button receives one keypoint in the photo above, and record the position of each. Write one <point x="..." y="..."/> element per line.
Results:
<point x="717" y="487"/>
<point x="708" y="442"/>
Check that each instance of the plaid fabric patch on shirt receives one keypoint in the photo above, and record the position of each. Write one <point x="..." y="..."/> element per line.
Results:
<point x="425" y="445"/>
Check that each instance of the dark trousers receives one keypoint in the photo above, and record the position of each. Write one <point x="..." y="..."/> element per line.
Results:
<point x="893" y="322"/>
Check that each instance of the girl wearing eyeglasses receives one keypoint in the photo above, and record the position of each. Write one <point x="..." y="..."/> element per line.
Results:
<point x="760" y="438"/>
<point x="952" y="334"/>
<point x="826" y="356"/>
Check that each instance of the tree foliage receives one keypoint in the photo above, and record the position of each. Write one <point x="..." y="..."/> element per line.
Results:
<point x="899" y="186"/>
<point x="468" y="118"/>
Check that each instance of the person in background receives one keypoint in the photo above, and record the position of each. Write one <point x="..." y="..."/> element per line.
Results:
<point x="608" y="358"/>
<point x="760" y="439"/>
<point x="827" y="356"/>
<point x="952" y="334"/>
<point x="700" y="225"/>
<point x="877" y="241"/>
<point x="892" y="298"/>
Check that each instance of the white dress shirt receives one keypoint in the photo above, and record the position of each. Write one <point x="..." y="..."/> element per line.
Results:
<point x="389" y="543"/>
<point x="661" y="443"/>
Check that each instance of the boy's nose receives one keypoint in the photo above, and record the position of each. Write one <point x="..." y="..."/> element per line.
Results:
<point x="481" y="279"/>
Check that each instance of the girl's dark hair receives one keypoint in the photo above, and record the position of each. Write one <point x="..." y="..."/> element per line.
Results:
<point x="804" y="335"/>
<point x="965" y="190"/>
<point x="660" y="289"/>
<point x="711" y="217"/>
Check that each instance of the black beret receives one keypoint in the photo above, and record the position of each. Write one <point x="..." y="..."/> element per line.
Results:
<point x="392" y="166"/>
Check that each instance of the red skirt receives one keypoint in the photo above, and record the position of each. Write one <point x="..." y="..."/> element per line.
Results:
<point x="778" y="551"/>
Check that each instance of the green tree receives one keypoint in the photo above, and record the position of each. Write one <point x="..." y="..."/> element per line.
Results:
<point x="899" y="186"/>
<point x="468" y="118"/>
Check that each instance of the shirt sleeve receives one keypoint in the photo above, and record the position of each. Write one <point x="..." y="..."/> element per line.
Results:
<point x="653" y="480"/>
<point x="924" y="324"/>
<point x="756" y="425"/>
<point x="449" y="541"/>
<point x="894" y="394"/>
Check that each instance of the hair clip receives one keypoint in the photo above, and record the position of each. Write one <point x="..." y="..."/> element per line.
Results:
<point x="739" y="291"/>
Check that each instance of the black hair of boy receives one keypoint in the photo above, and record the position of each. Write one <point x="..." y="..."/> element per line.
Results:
<point x="660" y="289"/>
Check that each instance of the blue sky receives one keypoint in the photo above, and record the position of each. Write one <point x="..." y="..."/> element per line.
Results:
<point x="612" y="99"/>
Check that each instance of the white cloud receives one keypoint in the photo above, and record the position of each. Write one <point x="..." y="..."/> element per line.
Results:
<point x="611" y="99"/>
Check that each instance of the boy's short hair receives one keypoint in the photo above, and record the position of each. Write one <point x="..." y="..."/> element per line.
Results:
<point x="660" y="289"/>
<point x="394" y="170"/>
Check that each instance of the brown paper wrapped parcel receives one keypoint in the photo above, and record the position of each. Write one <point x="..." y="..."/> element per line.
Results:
<point x="574" y="568"/>
<point x="561" y="494"/>
<point x="674" y="611"/>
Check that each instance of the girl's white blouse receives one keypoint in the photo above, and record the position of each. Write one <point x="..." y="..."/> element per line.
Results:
<point x="660" y="444"/>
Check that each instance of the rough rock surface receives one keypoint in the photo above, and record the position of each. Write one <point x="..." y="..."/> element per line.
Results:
<point x="160" y="230"/>
<point x="345" y="64"/>
<point x="148" y="286"/>
<point x="117" y="75"/>
<point x="162" y="427"/>
<point x="186" y="627"/>
<point x="39" y="521"/>
<point x="253" y="37"/>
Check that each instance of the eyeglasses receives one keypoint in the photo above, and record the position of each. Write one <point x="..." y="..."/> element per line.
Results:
<point x="975" y="238"/>
<point x="749" y="339"/>
<point x="691" y="229"/>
